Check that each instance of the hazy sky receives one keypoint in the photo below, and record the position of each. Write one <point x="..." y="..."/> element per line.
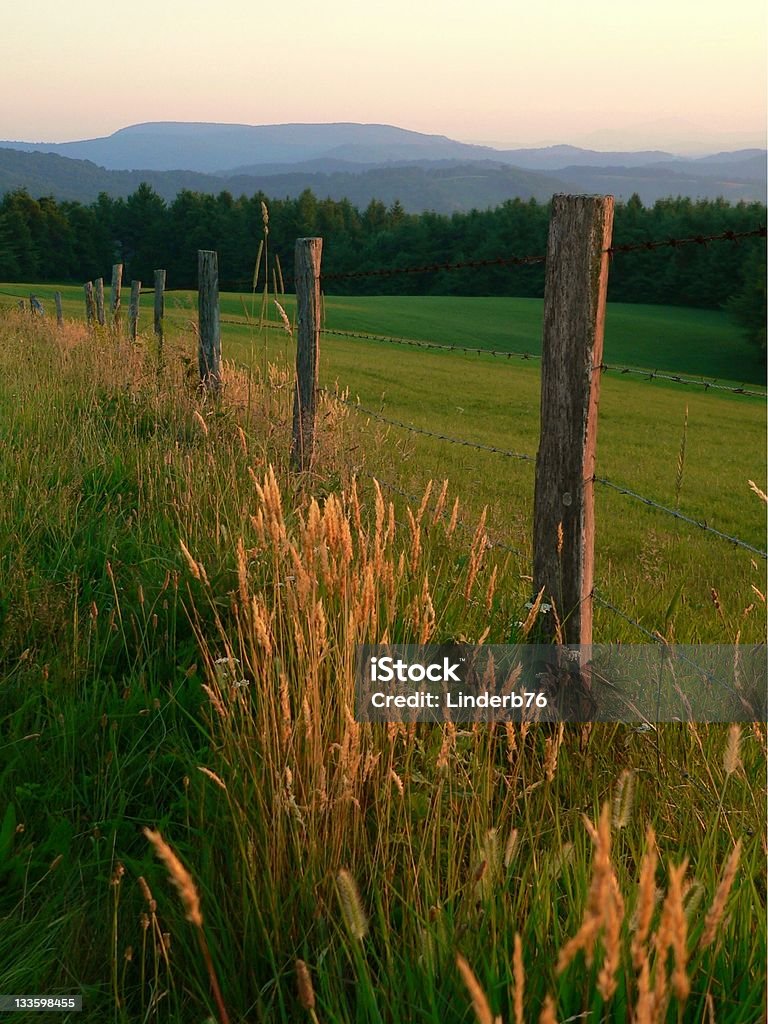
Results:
<point x="591" y="72"/>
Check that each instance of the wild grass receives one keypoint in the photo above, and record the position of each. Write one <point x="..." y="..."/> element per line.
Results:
<point x="180" y="617"/>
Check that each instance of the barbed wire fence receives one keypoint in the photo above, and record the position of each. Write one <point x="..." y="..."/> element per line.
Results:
<point x="600" y="256"/>
<point x="585" y="274"/>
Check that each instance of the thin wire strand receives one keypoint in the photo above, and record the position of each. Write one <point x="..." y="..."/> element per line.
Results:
<point x="680" y="515"/>
<point x="501" y="354"/>
<point x="428" y="433"/>
<point x="433" y="268"/>
<point x="677" y="379"/>
<point x="674" y="243"/>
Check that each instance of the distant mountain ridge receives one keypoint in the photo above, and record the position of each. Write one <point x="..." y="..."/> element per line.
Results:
<point x="236" y="148"/>
<point x="362" y="162"/>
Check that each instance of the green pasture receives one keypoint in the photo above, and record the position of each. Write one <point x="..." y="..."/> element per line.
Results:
<point x="660" y="571"/>
<point x="701" y="343"/>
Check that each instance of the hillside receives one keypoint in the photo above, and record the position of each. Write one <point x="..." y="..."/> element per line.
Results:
<point x="442" y="186"/>
<point x="221" y="148"/>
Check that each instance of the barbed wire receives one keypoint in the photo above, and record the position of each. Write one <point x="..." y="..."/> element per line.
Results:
<point x="428" y="433"/>
<point x="674" y="243"/>
<point x="655" y="636"/>
<point x="680" y="515"/>
<point x="502" y="354"/>
<point x="678" y="379"/>
<point x="663" y="642"/>
<point x="506" y="261"/>
<point x="439" y="346"/>
<point x="434" y="268"/>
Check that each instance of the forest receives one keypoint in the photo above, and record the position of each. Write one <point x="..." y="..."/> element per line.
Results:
<point x="42" y="240"/>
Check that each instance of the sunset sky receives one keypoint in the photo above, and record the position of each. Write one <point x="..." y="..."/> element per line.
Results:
<point x="677" y="74"/>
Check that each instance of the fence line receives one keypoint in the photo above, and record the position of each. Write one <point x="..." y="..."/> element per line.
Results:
<point x="675" y="513"/>
<point x="674" y="243"/>
<point x="579" y="251"/>
<point x="648" y="374"/>
<point x="680" y="515"/>
<point x="677" y="379"/>
<point x="428" y="433"/>
<point x="434" y="268"/>
<point x="612" y="250"/>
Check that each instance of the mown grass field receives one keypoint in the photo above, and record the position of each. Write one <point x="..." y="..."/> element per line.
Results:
<point x="207" y="694"/>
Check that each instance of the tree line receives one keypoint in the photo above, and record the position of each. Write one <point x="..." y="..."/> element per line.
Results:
<point x="42" y="240"/>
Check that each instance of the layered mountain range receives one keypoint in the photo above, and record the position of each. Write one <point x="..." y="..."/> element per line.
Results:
<point x="362" y="162"/>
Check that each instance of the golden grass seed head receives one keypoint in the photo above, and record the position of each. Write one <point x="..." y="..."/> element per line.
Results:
<point x="179" y="875"/>
<point x="480" y="1003"/>
<point x="351" y="905"/>
<point x="304" y="985"/>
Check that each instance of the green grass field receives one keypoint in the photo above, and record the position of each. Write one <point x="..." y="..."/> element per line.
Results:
<point x="644" y="557"/>
<point x="207" y="694"/>
<point x="702" y="343"/>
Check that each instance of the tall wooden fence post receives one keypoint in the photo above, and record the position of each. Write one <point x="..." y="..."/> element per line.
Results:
<point x="59" y="309"/>
<point x="90" y="303"/>
<point x="133" y="310"/>
<point x="308" y="255"/>
<point x="580" y="231"/>
<point x="117" y="286"/>
<point x="98" y="287"/>
<point x="209" y="348"/>
<point x="159" y="310"/>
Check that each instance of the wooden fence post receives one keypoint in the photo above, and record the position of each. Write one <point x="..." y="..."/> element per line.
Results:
<point x="133" y="310"/>
<point x="98" y="287"/>
<point x="117" y="286"/>
<point x="308" y="254"/>
<point x="59" y="309"/>
<point x="580" y="231"/>
<point x="209" y="348"/>
<point x="90" y="303"/>
<point x="36" y="306"/>
<point x="159" y="309"/>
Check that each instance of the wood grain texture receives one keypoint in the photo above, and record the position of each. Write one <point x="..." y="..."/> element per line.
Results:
<point x="90" y="303"/>
<point x="133" y="310"/>
<point x="117" y="287"/>
<point x="159" y="307"/>
<point x="308" y="255"/>
<point x="98" y="289"/>
<point x="209" y="348"/>
<point x="576" y="279"/>
<point x="59" y="308"/>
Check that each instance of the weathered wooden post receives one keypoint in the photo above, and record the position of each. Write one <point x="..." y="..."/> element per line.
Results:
<point x="98" y="287"/>
<point x="59" y="309"/>
<point x="159" y="310"/>
<point x="580" y="231"/>
<point x="117" y="287"/>
<point x="36" y="306"/>
<point x="133" y="310"/>
<point x="308" y="254"/>
<point x="209" y="348"/>
<point x="90" y="303"/>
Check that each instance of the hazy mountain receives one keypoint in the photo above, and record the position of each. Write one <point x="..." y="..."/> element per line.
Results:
<point x="217" y="147"/>
<point x="241" y="149"/>
<point x="444" y="188"/>
<point x="362" y="162"/>
<point x="732" y="180"/>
